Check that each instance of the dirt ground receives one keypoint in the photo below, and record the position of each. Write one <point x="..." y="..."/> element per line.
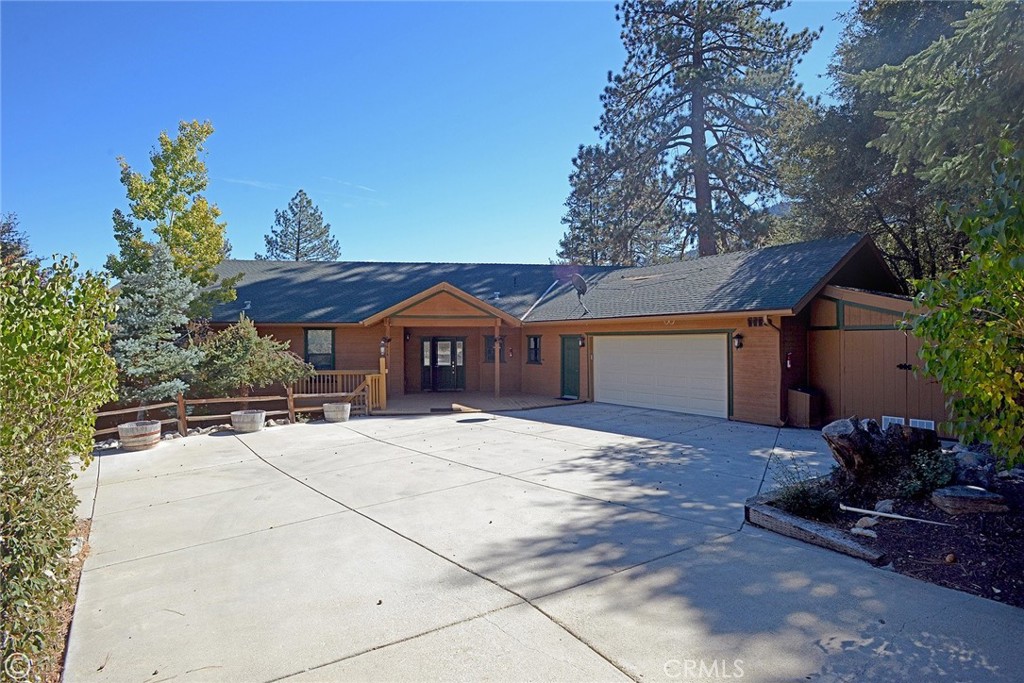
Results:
<point x="980" y="554"/>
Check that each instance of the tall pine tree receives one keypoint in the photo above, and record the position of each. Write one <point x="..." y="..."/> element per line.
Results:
<point x="300" y="234"/>
<point x="687" y="121"/>
<point x="836" y="180"/>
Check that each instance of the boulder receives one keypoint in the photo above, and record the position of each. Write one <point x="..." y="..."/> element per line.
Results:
<point x="885" y="505"/>
<point x="974" y="469"/>
<point x="863" y="449"/>
<point x="959" y="500"/>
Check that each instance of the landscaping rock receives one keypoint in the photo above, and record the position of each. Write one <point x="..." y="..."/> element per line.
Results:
<point x="866" y="522"/>
<point x="867" y="533"/>
<point x="861" y="447"/>
<point x="974" y="469"/>
<point x="885" y="506"/>
<point x="958" y="500"/>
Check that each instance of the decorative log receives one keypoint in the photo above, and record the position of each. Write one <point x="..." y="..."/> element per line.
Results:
<point x="861" y="447"/>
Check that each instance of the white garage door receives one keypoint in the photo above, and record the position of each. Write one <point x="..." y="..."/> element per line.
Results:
<point x="686" y="373"/>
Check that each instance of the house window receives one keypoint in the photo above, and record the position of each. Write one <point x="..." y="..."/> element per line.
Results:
<point x="533" y="349"/>
<point x="320" y="348"/>
<point x="489" y="348"/>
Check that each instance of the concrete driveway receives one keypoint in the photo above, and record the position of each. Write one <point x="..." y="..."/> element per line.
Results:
<point x="579" y="543"/>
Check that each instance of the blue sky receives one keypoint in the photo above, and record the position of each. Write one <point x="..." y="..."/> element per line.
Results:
<point x="423" y="131"/>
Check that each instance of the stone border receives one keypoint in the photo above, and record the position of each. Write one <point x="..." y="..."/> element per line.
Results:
<point x="759" y="512"/>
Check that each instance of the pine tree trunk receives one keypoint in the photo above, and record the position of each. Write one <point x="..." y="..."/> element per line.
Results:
<point x="706" y="245"/>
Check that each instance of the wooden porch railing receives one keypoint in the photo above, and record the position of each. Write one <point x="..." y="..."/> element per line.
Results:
<point x="346" y="382"/>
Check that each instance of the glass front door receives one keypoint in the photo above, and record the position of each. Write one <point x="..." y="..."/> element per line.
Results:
<point x="443" y="363"/>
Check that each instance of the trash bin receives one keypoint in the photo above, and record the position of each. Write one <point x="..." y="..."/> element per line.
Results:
<point x="804" y="407"/>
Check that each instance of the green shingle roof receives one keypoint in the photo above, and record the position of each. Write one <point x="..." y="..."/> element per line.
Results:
<point x="346" y="292"/>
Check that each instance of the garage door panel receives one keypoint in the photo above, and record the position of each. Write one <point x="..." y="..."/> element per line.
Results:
<point x="682" y="373"/>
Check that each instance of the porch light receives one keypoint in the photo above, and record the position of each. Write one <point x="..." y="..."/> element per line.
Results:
<point x="384" y="341"/>
<point x="583" y="342"/>
<point x="737" y="341"/>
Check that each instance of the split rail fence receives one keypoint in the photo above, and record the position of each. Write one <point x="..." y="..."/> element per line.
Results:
<point x="364" y="389"/>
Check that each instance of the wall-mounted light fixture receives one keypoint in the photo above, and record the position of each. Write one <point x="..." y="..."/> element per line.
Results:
<point x="408" y="336"/>
<point x="583" y="342"/>
<point x="737" y="341"/>
<point x="384" y="341"/>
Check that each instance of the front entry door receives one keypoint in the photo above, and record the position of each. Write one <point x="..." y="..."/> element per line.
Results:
<point x="443" y="363"/>
<point x="570" y="367"/>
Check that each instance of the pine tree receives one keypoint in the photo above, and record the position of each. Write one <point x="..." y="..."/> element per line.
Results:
<point x="948" y="104"/>
<point x="686" y="123"/>
<point x="300" y="234"/>
<point x="152" y="313"/>
<point x="837" y="182"/>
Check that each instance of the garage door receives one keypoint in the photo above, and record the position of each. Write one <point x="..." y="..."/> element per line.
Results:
<point x="686" y="373"/>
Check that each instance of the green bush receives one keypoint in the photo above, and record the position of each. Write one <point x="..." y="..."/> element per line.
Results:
<point x="56" y="372"/>
<point x="973" y="320"/>
<point x="238" y="360"/>
<point x="926" y="471"/>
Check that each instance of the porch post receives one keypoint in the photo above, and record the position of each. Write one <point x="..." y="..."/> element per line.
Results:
<point x="497" y="358"/>
<point x="383" y="367"/>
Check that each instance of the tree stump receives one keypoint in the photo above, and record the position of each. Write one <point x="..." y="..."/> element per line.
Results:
<point x="863" y="450"/>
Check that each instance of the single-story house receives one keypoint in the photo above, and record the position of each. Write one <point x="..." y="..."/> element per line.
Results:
<point x="726" y="336"/>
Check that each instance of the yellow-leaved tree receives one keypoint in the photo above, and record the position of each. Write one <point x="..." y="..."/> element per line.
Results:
<point x="170" y="198"/>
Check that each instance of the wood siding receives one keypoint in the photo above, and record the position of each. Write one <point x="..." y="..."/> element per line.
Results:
<point x="860" y="364"/>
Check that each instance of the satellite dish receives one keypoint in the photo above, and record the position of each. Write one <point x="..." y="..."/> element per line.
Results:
<point x="581" y="288"/>
<point x="579" y="283"/>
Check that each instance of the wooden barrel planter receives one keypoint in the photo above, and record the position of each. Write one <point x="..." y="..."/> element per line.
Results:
<point x="248" y="420"/>
<point x="337" y="412"/>
<point x="139" y="436"/>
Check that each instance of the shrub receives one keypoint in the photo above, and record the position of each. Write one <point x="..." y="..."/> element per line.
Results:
<point x="801" y="494"/>
<point x="53" y="340"/>
<point x="926" y="471"/>
<point x="239" y="359"/>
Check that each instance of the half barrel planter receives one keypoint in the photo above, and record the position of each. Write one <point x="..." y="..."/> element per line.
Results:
<point x="139" y="436"/>
<point x="337" y="412"/>
<point x="248" y="420"/>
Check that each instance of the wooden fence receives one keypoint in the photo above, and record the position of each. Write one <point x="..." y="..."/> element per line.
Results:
<point x="340" y="386"/>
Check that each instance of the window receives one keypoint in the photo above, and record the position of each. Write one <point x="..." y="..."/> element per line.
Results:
<point x="489" y="348"/>
<point x="320" y="348"/>
<point x="533" y="350"/>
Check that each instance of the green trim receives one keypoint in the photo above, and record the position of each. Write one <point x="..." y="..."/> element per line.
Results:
<point x="862" y="328"/>
<point x="866" y="307"/>
<point x="540" y="346"/>
<point x="489" y="346"/>
<point x="840" y="314"/>
<point x="649" y="334"/>
<point x="728" y="351"/>
<point x="305" y="344"/>
<point x="729" y="388"/>
<point x="489" y="314"/>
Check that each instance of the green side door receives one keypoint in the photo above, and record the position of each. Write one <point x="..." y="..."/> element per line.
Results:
<point x="570" y="366"/>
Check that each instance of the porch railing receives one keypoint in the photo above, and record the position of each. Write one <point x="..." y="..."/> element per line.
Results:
<point x="346" y="382"/>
